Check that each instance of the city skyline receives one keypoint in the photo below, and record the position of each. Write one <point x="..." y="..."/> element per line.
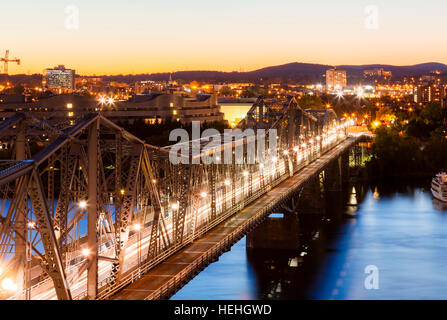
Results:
<point x="116" y="38"/>
<point x="329" y="66"/>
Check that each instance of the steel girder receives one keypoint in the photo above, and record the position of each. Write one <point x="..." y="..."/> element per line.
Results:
<point x="53" y="262"/>
<point x="134" y="182"/>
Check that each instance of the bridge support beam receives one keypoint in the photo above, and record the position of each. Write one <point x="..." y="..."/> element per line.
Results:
<point x="20" y="249"/>
<point x="92" y="208"/>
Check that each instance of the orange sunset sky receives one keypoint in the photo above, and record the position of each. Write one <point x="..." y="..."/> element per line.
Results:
<point x="136" y="36"/>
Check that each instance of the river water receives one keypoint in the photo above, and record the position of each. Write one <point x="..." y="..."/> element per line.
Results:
<point x="234" y="112"/>
<point x="396" y="230"/>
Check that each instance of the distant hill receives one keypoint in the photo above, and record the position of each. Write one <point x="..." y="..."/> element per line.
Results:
<point x="398" y="71"/>
<point x="302" y="72"/>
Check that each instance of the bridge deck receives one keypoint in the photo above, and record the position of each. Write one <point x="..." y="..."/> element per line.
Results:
<point x="165" y="279"/>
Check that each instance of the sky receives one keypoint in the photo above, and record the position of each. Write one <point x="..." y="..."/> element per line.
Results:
<point x="105" y="37"/>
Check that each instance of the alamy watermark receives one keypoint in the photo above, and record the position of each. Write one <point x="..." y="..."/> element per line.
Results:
<point x="372" y="278"/>
<point x="211" y="146"/>
<point x="371" y="21"/>
<point x="72" y="17"/>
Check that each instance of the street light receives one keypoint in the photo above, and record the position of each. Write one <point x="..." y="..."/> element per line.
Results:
<point x="85" y="252"/>
<point x="82" y="204"/>
<point x="203" y="194"/>
<point x="174" y="206"/>
<point x="9" y="285"/>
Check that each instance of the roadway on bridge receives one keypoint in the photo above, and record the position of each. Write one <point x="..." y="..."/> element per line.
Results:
<point x="166" y="278"/>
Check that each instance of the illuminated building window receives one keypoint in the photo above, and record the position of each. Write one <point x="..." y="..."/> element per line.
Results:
<point x="69" y="106"/>
<point x="71" y="114"/>
<point x="171" y="104"/>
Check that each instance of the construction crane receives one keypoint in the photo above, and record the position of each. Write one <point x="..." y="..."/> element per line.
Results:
<point x="6" y="60"/>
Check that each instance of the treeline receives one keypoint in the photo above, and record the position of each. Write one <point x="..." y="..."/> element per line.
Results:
<point x="415" y="145"/>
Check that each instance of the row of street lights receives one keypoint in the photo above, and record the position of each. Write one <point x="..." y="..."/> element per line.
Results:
<point x="8" y="284"/>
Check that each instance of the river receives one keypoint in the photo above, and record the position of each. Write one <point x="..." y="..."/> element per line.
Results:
<point x="234" y="112"/>
<point x="396" y="230"/>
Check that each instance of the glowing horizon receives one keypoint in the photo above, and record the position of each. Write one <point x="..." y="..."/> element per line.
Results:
<point x="135" y="37"/>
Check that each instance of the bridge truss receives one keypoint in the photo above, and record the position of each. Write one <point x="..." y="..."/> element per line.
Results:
<point x="86" y="208"/>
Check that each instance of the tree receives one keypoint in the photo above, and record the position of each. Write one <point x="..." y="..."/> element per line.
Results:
<point x="226" y="91"/>
<point x="311" y="102"/>
<point x="433" y="114"/>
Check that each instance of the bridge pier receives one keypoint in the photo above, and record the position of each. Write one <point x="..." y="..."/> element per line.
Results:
<point x="344" y="159"/>
<point x="333" y="177"/>
<point x="277" y="232"/>
<point x="335" y="181"/>
<point x="311" y="200"/>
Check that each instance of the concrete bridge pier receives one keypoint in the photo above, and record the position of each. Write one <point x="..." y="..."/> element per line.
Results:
<point x="333" y="177"/>
<point x="311" y="197"/>
<point x="344" y="164"/>
<point x="334" y="182"/>
<point x="281" y="229"/>
<point x="278" y="231"/>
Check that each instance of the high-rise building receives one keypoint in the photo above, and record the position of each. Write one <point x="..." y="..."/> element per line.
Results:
<point x="335" y="79"/>
<point x="424" y="93"/>
<point x="59" y="79"/>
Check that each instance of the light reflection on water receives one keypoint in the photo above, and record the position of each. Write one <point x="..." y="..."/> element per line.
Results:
<point x="403" y="233"/>
<point x="234" y="112"/>
<point x="231" y="278"/>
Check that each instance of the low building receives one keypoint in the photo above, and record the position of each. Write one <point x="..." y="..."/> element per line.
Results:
<point x="12" y="98"/>
<point x="152" y="108"/>
<point x="425" y="93"/>
<point x="155" y="107"/>
<point x="377" y="73"/>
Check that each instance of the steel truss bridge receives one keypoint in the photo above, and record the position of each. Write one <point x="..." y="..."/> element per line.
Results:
<point x="86" y="208"/>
